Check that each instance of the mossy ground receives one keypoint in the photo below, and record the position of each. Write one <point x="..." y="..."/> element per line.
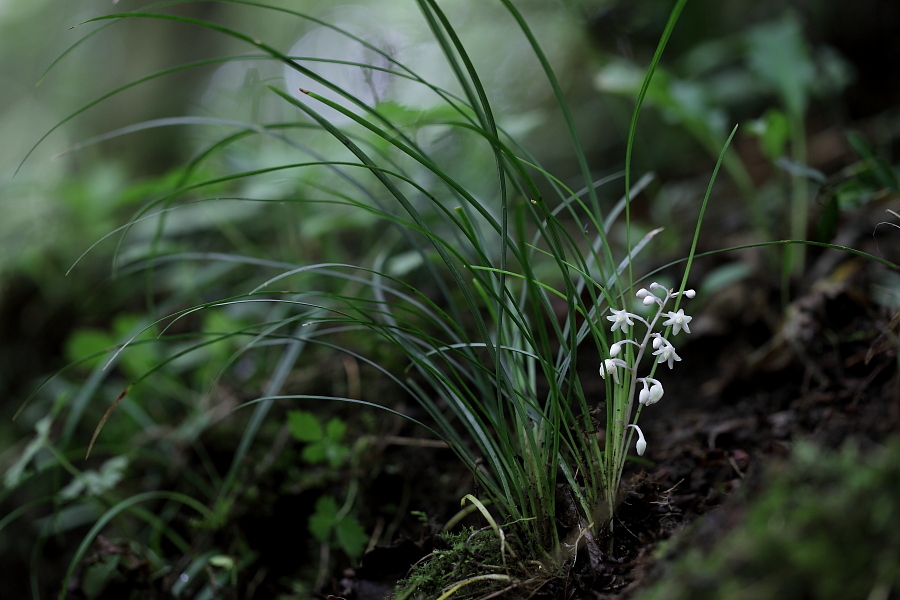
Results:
<point x="823" y="526"/>
<point x="468" y="553"/>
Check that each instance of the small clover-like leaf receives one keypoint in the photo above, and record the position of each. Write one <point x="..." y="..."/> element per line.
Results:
<point x="322" y="521"/>
<point x="337" y="454"/>
<point x="335" y="429"/>
<point x="315" y="453"/>
<point x="304" y="426"/>
<point x="351" y="536"/>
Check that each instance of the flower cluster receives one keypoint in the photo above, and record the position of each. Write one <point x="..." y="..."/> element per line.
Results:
<point x="662" y="349"/>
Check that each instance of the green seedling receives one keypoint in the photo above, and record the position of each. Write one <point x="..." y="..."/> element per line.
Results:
<point x="324" y="444"/>
<point x="330" y="524"/>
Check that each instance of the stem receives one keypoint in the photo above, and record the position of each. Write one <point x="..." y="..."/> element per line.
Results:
<point x="619" y="447"/>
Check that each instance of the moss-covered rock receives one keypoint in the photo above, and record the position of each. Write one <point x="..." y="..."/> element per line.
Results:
<point x="824" y="525"/>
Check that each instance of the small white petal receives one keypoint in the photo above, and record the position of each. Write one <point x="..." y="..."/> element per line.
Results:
<point x="667" y="354"/>
<point x="609" y="367"/>
<point x="620" y="320"/>
<point x="655" y="393"/>
<point x="678" y="321"/>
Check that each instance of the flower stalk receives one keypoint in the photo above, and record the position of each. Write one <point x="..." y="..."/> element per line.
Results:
<point x="621" y="396"/>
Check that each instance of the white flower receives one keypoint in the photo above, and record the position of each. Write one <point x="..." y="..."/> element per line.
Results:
<point x="652" y="394"/>
<point x="620" y="320"/>
<point x="678" y="321"/>
<point x="666" y="354"/>
<point x="615" y="349"/>
<point x="609" y="366"/>
<point x="656" y="392"/>
<point x="641" y="444"/>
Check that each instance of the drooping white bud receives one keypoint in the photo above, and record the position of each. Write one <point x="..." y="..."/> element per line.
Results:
<point x="608" y="366"/>
<point x="641" y="444"/>
<point x="656" y="392"/>
<point x="690" y="293"/>
<point x="642" y="293"/>
<point x="615" y="349"/>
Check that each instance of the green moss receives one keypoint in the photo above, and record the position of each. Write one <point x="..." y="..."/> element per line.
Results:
<point x="825" y="526"/>
<point x="468" y="553"/>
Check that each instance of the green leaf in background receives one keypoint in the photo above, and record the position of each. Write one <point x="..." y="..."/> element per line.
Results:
<point x="323" y="445"/>
<point x="314" y="453"/>
<point x="334" y="430"/>
<point x="351" y="536"/>
<point x="880" y="169"/>
<point x="773" y="130"/>
<point x="94" y="483"/>
<point x="800" y="170"/>
<point x="304" y="426"/>
<point x="779" y="54"/>
<point x="322" y="521"/>
<point x="16" y="473"/>
<point x="336" y="454"/>
<point x="137" y="359"/>
<point x="84" y="342"/>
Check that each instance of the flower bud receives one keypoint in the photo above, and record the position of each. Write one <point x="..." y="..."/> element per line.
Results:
<point x="655" y="393"/>
<point x="641" y="444"/>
